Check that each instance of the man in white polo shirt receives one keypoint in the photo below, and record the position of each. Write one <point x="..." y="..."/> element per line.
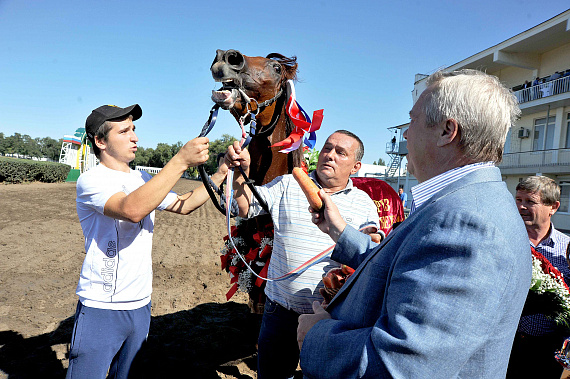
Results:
<point x="116" y="207"/>
<point x="297" y="239"/>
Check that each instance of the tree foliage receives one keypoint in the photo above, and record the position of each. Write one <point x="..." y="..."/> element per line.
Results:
<point x="26" y="146"/>
<point x="380" y="162"/>
<point x="216" y="147"/>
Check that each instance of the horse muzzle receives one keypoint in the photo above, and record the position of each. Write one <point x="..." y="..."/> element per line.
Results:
<point x="226" y="69"/>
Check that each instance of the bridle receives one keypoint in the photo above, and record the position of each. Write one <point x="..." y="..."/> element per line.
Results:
<point x="260" y="107"/>
<point x="211" y="187"/>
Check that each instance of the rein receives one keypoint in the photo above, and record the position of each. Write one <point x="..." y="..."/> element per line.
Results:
<point x="296" y="271"/>
<point x="314" y="260"/>
<point x="210" y="186"/>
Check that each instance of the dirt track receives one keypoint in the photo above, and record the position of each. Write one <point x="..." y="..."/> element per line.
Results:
<point x="195" y="332"/>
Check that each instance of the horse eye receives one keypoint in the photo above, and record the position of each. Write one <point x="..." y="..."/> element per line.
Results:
<point x="277" y="68"/>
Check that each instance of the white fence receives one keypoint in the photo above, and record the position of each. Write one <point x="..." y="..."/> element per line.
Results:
<point x="150" y="170"/>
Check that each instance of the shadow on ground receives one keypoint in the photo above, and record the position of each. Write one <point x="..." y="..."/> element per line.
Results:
<point x="195" y="343"/>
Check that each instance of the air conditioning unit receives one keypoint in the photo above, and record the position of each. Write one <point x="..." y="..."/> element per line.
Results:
<point x="524" y="133"/>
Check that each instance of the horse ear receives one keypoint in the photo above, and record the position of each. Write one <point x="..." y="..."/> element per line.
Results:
<point x="289" y="64"/>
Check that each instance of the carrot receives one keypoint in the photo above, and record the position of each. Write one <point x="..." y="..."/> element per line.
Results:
<point x="376" y="237"/>
<point x="309" y="188"/>
<point x="347" y="270"/>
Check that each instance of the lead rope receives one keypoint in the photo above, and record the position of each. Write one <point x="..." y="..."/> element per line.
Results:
<point x="314" y="260"/>
<point x="229" y="199"/>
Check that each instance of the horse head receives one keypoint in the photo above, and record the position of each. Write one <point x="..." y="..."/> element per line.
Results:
<point x="244" y="78"/>
<point x="258" y="85"/>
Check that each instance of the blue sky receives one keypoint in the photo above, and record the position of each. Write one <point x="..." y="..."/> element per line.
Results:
<point x="357" y="59"/>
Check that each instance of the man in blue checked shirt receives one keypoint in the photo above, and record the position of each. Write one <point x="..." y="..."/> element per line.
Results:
<point x="297" y="240"/>
<point x="538" y="199"/>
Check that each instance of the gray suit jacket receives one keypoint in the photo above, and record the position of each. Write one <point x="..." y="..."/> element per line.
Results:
<point x="441" y="297"/>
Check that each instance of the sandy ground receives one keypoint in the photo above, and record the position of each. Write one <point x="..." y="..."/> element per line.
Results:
<point x="195" y="332"/>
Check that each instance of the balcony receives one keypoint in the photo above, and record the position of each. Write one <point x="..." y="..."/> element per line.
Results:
<point x="546" y="161"/>
<point x="542" y="90"/>
<point x="397" y="148"/>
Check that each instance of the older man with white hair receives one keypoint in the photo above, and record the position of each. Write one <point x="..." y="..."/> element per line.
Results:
<point x="442" y="295"/>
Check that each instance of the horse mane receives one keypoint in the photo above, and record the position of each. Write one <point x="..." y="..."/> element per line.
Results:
<point x="289" y="64"/>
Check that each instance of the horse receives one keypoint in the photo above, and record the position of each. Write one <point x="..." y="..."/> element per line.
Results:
<point x="257" y="86"/>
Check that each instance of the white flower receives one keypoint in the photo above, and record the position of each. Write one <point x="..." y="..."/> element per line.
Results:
<point x="264" y="242"/>
<point x="542" y="282"/>
<point x="245" y="281"/>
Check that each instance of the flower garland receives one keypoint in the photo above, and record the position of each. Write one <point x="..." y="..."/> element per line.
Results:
<point x="548" y="294"/>
<point x="256" y="244"/>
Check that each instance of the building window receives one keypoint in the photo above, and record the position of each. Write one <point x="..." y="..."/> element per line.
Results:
<point x="542" y="141"/>
<point x="564" y="197"/>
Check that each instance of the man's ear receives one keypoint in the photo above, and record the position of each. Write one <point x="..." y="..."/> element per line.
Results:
<point x="555" y="207"/>
<point x="356" y="167"/>
<point x="449" y="131"/>
<point x="99" y="142"/>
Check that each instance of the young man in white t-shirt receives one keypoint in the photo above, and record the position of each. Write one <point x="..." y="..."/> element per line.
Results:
<point x="116" y="207"/>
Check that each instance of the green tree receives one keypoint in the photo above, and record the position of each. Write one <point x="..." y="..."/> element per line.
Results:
<point x="161" y="155"/>
<point x="50" y="148"/>
<point x="216" y="147"/>
<point x="29" y="146"/>
<point x="176" y="148"/>
<point x="15" y="144"/>
<point x="3" y="143"/>
<point x="380" y="162"/>
<point x="141" y="157"/>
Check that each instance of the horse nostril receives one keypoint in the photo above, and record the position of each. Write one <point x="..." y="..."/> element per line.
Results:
<point x="235" y="59"/>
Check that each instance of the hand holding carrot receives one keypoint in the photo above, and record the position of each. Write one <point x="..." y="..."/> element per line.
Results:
<point x="329" y="220"/>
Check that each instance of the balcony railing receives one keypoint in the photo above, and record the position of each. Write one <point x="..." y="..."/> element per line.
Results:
<point x="392" y="148"/>
<point x="551" y="88"/>
<point x="557" y="157"/>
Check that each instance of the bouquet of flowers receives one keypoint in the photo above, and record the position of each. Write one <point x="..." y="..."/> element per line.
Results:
<point x="548" y="294"/>
<point x="255" y="243"/>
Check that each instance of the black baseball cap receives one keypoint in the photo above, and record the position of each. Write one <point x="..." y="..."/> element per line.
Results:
<point x="109" y="113"/>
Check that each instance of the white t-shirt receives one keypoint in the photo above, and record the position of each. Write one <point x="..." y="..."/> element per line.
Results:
<point x="117" y="270"/>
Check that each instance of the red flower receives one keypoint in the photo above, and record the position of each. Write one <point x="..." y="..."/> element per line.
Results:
<point x="547" y="267"/>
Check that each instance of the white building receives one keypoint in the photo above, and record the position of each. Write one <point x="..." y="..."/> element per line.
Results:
<point x="371" y="171"/>
<point x="539" y="144"/>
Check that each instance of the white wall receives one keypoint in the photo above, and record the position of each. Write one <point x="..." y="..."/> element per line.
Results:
<point x="371" y="171"/>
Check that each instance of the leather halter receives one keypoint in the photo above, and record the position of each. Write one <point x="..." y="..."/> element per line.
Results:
<point x="260" y="108"/>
